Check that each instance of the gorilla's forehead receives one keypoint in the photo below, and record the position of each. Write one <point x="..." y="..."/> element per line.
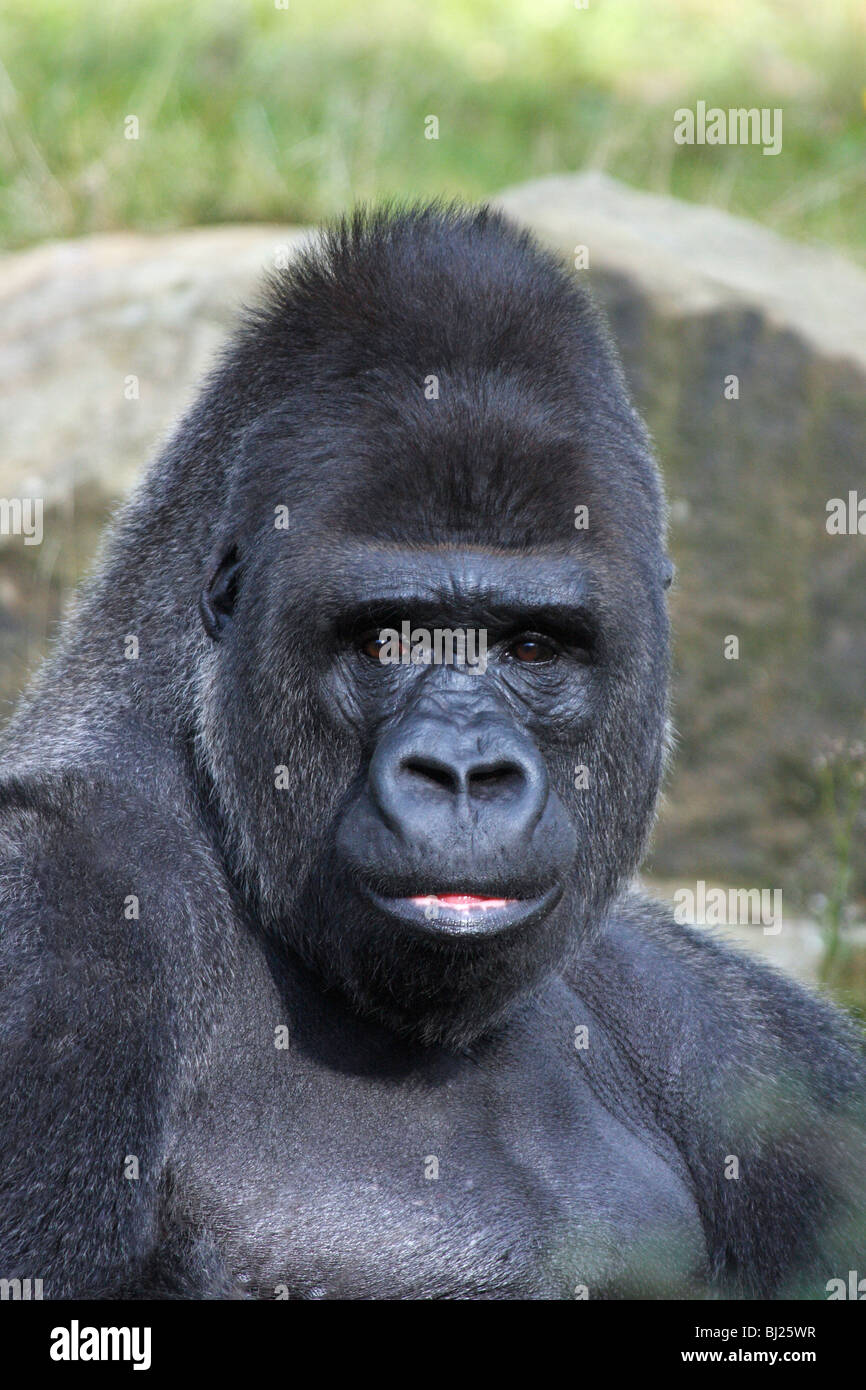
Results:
<point x="493" y="461"/>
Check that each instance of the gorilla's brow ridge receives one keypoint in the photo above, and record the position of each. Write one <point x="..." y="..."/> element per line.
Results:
<point x="519" y="587"/>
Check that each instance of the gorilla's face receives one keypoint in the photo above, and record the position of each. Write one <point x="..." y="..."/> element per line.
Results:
<point x="444" y="753"/>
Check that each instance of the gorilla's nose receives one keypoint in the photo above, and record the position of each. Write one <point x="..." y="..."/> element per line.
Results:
<point x="431" y="778"/>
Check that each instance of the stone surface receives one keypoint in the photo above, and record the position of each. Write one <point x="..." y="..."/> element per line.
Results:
<point x="77" y="320"/>
<point x="693" y="296"/>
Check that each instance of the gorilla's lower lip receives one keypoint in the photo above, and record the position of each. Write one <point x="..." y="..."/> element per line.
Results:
<point x="464" y="915"/>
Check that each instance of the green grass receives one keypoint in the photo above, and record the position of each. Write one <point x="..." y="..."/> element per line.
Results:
<point x="249" y="112"/>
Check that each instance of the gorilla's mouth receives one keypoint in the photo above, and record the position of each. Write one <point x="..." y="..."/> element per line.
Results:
<point x="465" y="915"/>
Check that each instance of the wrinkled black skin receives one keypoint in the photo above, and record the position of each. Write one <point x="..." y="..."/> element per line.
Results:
<point x="301" y="1170"/>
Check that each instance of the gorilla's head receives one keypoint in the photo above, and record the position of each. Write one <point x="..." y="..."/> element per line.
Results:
<point x="449" y="468"/>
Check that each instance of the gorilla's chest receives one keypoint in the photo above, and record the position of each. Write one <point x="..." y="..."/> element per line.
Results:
<point x="306" y="1177"/>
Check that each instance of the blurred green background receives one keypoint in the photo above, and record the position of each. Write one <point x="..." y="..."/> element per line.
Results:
<point x="256" y="113"/>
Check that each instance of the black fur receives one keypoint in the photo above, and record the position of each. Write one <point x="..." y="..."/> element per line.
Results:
<point x="306" y="1170"/>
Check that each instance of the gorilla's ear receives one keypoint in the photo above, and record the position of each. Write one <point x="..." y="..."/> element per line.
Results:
<point x="217" y="600"/>
<point x="669" y="570"/>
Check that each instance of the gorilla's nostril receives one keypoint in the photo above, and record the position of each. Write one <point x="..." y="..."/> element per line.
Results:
<point x="502" y="778"/>
<point x="429" y="770"/>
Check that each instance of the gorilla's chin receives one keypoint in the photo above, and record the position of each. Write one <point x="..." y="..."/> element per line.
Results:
<point x="445" y="981"/>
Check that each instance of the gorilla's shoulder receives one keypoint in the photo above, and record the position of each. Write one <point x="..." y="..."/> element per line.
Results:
<point x="750" y="1075"/>
<point x="702" y="1006"/>
<point x="86" y="858"/>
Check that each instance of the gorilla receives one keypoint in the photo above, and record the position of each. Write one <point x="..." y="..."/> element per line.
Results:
<point x="324" y="975"/>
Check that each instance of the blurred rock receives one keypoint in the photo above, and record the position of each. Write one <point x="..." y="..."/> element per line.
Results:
<point x="78" y="321"/>
<point x="693" y="296"/>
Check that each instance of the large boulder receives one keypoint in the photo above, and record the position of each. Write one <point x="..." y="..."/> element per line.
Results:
<point x="103" y="340"/>
<point x="102" y="344"/>
<point x="695" y="296"/>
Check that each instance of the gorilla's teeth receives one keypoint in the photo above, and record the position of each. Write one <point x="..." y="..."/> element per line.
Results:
<point x="462" y="901"/>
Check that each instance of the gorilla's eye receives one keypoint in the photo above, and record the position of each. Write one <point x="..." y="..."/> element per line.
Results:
<point x="531" y="650"/>
<point x="372" y="647"/>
